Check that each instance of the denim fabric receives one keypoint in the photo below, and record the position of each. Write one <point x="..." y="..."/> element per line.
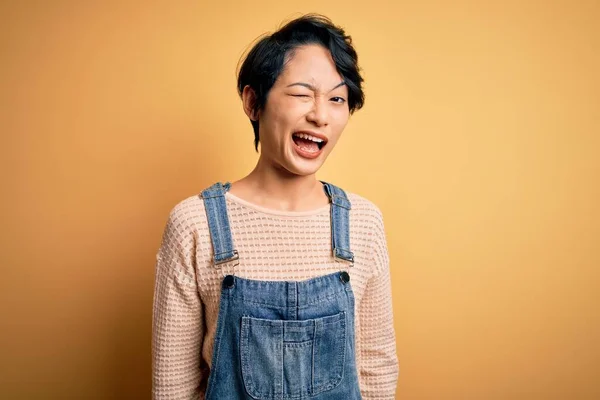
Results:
<point x="283" y="339"/>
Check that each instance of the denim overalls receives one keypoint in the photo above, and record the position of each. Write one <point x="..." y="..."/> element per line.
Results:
<point x="281" y="339"/>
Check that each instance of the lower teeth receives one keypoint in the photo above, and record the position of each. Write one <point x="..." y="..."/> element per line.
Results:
<point x="308" y="148"/>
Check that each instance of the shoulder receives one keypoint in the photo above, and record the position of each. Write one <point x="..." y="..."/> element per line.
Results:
<point x="364" y="209"/>
<point x="368" y="223"/>
<point x="187" y="208"/>
<point x="186" y="216"/>
<point x="366" y="220"/>
<point x="366" y="217"/>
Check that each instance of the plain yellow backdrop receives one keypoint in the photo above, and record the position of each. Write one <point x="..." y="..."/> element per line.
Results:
<point x="479" y="141"/>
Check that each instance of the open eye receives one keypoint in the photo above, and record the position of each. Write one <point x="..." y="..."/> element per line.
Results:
<point x="338" y="99"/>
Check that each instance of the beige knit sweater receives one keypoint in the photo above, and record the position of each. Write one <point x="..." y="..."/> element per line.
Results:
<point x="272" y="245"/>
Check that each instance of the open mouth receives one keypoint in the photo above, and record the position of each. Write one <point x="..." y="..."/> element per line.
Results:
<point x="308" y="142"/>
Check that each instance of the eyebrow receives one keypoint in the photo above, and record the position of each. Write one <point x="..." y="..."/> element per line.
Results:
<point x="314" y="89"/>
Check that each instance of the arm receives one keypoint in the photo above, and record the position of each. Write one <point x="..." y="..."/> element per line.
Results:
<point x="177" y="318"/>
<point x="379" y="362"/>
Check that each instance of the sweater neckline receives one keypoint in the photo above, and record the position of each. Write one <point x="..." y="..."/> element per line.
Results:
<point x="272" y="211"/>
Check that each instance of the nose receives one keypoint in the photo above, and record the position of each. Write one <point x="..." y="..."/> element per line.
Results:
<point x="319" y="114"/>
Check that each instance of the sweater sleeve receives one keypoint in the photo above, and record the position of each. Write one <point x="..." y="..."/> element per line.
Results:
<point x="177" y="318"/>
<point x="379" y="363"/>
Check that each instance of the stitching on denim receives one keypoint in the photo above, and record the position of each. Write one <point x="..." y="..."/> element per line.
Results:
<point x="334" y="382"/>
<point x="318" y="300"/>
<point x="246" y="371"/>
<point x="217" y="348"/>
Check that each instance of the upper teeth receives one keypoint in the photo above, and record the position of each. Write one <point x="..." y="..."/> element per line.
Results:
<point x="309" y="137"/>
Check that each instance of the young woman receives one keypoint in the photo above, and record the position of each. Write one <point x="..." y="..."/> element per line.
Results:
<point x="277" y="286"/>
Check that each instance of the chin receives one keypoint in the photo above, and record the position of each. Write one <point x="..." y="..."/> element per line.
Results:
<point x="297" y="168"/>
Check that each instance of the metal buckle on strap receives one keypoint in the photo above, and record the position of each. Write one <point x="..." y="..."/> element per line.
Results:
<point x="351" y="261"/>
<point x="235" y="257"/>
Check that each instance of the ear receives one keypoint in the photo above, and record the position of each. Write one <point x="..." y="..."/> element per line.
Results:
<point x="248" y="100"/>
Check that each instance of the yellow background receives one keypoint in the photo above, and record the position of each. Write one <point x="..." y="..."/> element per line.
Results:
<point x="479" y="141"/>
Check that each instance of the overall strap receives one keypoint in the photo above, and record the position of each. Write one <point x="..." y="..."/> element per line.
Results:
<point x="220" y="232"/>
<point x="340" y="222"/>
<point x="215" y="205"/>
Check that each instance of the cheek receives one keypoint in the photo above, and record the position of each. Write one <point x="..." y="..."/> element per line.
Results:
<point x="283" y="110"/>
<point x="339" y="122"/>
<point x="341" y="117"/>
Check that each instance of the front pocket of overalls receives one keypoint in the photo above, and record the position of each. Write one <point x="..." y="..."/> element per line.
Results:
<point x="292" y="358"/>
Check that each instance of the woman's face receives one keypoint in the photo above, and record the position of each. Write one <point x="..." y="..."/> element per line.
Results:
<point x="309" y="97"/>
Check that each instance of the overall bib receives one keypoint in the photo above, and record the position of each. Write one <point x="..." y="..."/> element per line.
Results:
<point x="279" y="340"/>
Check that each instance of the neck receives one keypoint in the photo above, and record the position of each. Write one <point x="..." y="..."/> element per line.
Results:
<point x="279" y="189"/>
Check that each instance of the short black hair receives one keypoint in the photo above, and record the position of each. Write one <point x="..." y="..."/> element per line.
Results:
<point x="265" y="61"/>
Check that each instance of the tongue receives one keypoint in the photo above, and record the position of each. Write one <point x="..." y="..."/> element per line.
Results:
<point x="306" y="145"/>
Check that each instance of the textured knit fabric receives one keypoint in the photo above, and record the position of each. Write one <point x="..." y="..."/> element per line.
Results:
<point x="272" y="245"/>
